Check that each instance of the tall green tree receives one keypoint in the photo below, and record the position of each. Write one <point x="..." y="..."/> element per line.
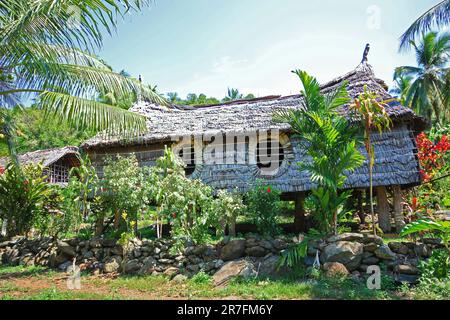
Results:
<point x="46" y="49"/>
<point x="330" y="143"/>
<point x="438" y="16"/>
<point x="401" y="87"/>
<point x="428" y="92"/>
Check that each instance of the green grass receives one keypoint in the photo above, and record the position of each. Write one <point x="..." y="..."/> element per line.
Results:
<point x="201" y="287"/>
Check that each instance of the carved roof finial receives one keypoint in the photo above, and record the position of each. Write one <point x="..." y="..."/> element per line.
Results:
<point x="365" y="54"/>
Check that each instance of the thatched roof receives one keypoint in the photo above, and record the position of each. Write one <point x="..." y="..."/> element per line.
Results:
<point x="46" y="157"/>
<point x="248" y="115"/>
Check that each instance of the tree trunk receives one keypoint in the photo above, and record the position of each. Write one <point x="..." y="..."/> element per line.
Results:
<point x="384" y="219"/>
<point x="299" y="215"/>
<point x="372" y="213"/>
<point x="99" y="226"/>
<point x="232" y="227"/>
<point x="361" y="213"/>
<point x="398" y="208"/>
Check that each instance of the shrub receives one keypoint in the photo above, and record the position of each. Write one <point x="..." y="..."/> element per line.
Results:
<point x="23" y="194"/>
<point x="125" y="187"/>
<point x="228" y="206"/>
<point x="187" y="204"/>
<point x="263" y="203"/>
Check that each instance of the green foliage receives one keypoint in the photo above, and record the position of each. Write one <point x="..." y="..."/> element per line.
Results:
<point x="228" y="206"/>
<point x="294" y="255"/>
<point x="436" y="267"/>
<point x="49" y="58"/>
<point x="23" y="196"/>
<point x="187" y="204"/>
<point x="440" y="229"/>
<point x="263" y="208"/>
<point x="125" y="187"/>
<point x="428" y="92"/>
<point x="201" y="278"/>
<point x="37" y="132"/>
<point x="330" y="143"/>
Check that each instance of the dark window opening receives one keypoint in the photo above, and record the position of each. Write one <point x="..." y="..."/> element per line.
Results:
<point x="269" y="155"/>
<point x="187" y="154"/>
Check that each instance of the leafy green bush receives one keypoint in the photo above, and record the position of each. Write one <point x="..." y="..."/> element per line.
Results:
<point x="228" y="206"/>
<point x="201" y="278"/>
<point x="23" y="195"/>
<point x="436" y="267"/>
<point x="187" y="204"/>
<point x="263" y="203"/>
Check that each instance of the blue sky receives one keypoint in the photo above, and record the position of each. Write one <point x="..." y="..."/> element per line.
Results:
<point x="205" y="46"/>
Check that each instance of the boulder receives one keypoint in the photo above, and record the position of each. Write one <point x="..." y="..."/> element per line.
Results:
<point x="65" y="265"/>
<point x="368" y="238"/>
<point x="398" y="247"/>
<point x="268" y="266"/>
<point x="422" y="250"/>
<point x="346" y="237"/>
<point x="132" y="266"/>
<point x="370" y="247"/>
<point x="242" y="268"/>
<point x="345" y="252"/>
<point x="179" y="278"/>
<point x="66" y="249"/>
<point x="406" y="269"/>
<point x="234" y="249"/>
<point x="335" y="269"/>
<point x="406" y="278"/>
<point x="383" y="252"/>
<point x="171" y="272"/>
<point x="370" y="261"/>
<point x="112" y="264"/>
<point x="256" y="251"/>
<point x="148" y="266"/>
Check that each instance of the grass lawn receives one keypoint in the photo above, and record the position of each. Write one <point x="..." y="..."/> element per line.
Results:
<point x="36" y="283"/>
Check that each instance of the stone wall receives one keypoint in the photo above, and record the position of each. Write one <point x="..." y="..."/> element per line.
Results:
<point x="350" y="253"/>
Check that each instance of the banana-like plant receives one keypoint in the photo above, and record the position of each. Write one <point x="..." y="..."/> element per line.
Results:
<point x="46" y="51"/>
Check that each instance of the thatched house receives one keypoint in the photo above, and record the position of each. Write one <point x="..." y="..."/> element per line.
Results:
<point x="57" y="162"/>
<point x="245" y="127"/>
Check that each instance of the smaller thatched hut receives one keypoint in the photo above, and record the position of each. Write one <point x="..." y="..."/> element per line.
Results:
<point x="57" y="162"/>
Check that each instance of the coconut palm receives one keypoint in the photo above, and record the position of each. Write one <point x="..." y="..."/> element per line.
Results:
<point x="428" y="92"/>
<point x="401" y="87"/>
<point x="438" y="16"/>
<point x="46" y="51"/>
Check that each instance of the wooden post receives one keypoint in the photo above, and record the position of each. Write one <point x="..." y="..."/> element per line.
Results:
<point x="398" y="208"/>
<point x="384" y="219"/>
<point x="299" y="215"/>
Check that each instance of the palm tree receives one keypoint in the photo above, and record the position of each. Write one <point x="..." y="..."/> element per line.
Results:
<point x="374" y="116"/>
<point x="232" y="95"/>
<point x="329" y="141"/>
<point x="428" y="92"/>
<point x="42" y="53"/>
<point x="401" y="87"/>
<point x="438" y="16"/>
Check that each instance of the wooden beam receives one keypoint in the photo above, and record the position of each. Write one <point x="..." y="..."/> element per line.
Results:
<point x="384" y="219"/>
<point x="299" y="215"/>
<point x="398" y="208"/>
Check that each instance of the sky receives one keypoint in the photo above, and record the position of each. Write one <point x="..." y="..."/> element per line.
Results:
<point x="206" y="46"/>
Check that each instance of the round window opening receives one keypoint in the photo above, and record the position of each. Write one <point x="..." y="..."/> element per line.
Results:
<point x="269" y="156"/>
<point x="187" y="154"/>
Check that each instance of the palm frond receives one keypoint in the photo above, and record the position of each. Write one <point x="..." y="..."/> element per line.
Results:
<point x="438" y="15"/>
<point x="84" y="113"/>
